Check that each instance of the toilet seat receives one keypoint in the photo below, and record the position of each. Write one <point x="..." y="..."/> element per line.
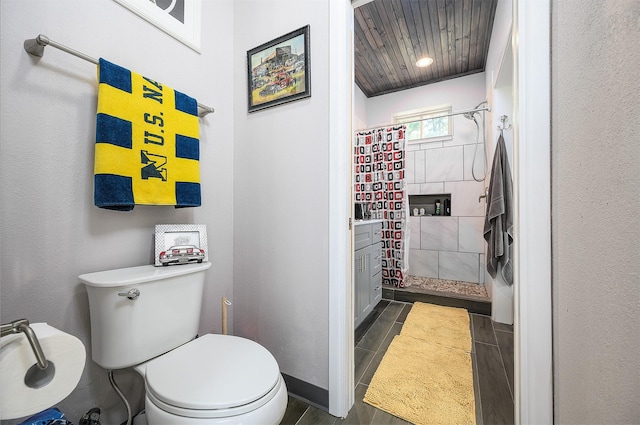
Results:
<point x="213" y="376"/>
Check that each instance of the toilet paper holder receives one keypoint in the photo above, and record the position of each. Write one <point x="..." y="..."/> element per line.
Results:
<point x="40" y="373"/>
<point x="22" y="325"/>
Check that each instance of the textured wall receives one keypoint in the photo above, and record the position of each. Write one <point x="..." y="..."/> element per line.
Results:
<point x="595" y="201"/>
<point x="50" y="230"/>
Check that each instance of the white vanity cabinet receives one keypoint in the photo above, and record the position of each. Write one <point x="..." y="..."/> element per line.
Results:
<point x="368" y="268"/>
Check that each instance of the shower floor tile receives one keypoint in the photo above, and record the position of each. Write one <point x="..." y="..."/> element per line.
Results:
<point x="447" y="286"/>
<point x="450" y="293"/>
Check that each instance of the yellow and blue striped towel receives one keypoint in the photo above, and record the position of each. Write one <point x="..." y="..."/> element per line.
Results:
<point x="147" y="147"/>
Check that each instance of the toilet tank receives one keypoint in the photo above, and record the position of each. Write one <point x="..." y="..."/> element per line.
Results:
<point x="165" y="315"/>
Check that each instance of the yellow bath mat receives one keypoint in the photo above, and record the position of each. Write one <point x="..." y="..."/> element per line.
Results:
<point x="426" y="381"/>
<point x="447" y="326"/>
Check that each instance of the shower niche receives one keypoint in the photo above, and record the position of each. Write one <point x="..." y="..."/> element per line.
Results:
<point x="430" y="205"/>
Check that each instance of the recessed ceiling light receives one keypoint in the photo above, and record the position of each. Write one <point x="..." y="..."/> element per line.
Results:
<point x="422" y="62"/>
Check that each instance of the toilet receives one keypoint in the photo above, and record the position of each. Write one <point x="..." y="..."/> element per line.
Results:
<point x="147" y="318"/>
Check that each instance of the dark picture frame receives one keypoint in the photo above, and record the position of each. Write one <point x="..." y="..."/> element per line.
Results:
<point x="278" y="71"/>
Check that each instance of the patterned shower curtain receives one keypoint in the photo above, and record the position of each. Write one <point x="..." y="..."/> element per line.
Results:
<point x="379" y="161"/>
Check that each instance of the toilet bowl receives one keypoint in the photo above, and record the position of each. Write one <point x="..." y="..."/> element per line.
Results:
<point x="147" y="318"/>
<point x="214" y="379"/>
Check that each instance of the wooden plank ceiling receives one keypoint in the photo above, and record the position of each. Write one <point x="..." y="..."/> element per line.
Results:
<point x="391" y="35"/>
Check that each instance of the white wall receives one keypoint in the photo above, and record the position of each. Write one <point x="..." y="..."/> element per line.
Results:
<point x="498" y="73"/>
<point x="281" y="207"/>
<point x="595" y="222"/>
<point x="499" y="84"/>
<point x="461" y="93"/>
<point x="50" y="230"/>
<point x="359" y="109"/>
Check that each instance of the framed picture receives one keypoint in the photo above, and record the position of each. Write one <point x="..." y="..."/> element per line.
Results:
<point x="279" y="71"/>
<point x="181" y="19"/>
<point x="180" y="244"/>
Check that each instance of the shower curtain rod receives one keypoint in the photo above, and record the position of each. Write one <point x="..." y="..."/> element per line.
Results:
<point x="468" y="111"/>
<point x="35" y="47"/>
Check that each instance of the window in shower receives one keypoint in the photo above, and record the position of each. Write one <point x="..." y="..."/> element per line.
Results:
<point x="427" y="125"/>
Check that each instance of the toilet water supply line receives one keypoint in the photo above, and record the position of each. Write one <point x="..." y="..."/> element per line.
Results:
<point x="112" y="381"/>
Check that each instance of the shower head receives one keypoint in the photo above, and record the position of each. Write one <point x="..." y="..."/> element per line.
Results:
<point x="481" y="103"/>
<point x="471" y="115"/>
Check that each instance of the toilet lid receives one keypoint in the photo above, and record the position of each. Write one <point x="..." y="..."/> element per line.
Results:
<point x="212" y="372"/>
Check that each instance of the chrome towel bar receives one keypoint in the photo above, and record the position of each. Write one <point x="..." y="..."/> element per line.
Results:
<point x="35" y="47"/>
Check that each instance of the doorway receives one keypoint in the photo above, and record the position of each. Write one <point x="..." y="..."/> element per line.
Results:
<point x="533" y="376"/>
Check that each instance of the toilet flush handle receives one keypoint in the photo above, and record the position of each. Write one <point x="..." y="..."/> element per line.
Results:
<point x="132" y="294"/>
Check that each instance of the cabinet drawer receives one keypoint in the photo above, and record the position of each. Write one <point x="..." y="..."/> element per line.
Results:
<point x="376" y="258"/>
<point x="367" y="234"/>
<point x="363" y="236"/>
<point x="376" y="289"/>
<point x="376" y="231"/>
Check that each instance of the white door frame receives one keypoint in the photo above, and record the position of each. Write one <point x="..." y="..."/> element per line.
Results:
<point x="341" y="331"/>
<point x="533" y="395"/>
<point x="532" y="214"/>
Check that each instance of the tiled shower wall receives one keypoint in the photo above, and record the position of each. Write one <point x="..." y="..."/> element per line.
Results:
<point x="450" y="247"/>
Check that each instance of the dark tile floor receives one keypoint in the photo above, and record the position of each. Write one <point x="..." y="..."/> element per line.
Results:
<point x="492" y="356"/>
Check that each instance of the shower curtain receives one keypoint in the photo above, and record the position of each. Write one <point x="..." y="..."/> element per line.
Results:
<point x="379" y="161"/>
